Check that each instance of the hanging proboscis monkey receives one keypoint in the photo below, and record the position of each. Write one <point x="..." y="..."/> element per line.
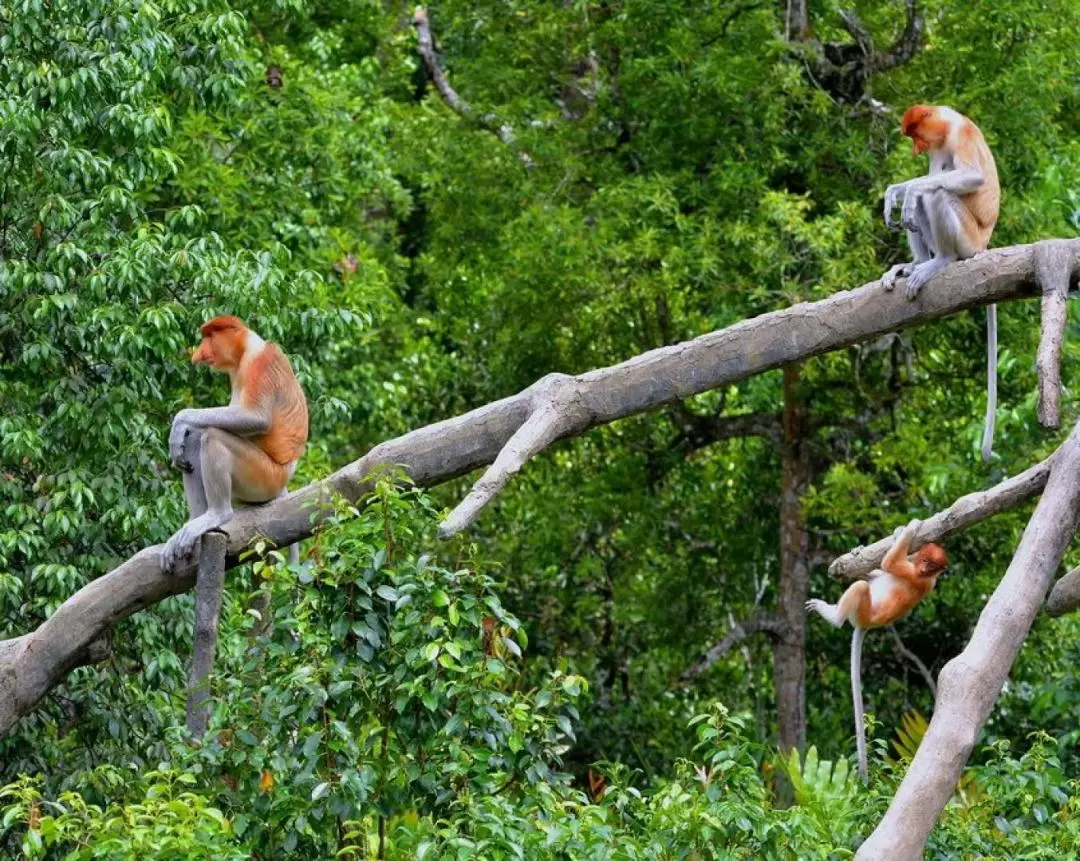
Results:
<point x="901" y="583"/>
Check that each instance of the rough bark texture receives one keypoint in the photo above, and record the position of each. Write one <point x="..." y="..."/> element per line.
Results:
<point x="1054" y="262"/>
<point x="789" y="649"/>
<point x="32" y="664"/>
<point x="965" y="512"/>
<point x="1065" y="596"/>
<point x="969" y="684"/>
<point x="209" y="583"/>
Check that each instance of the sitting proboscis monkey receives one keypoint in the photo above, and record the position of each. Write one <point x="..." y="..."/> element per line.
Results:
<point x="245" y="452"/>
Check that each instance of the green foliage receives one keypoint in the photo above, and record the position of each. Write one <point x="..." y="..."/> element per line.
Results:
<point x="686" y="173"/>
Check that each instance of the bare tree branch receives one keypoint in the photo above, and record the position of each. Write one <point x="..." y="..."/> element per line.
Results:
<point x="737" y="632"/>
<point x="425" y="46"/>
<point x="905" y="47"/>
<point x="209" y="583"/>
<point x="1065" y="596"/>
<point x="962" y="514"/>
<point x="905" y="652"/>
<point x="32" y="664"/>
<point x="970" y="683"/>
<point x="1053" y="264"/>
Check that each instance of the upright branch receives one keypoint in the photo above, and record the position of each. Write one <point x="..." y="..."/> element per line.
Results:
<point x="558" y="407"/>
<point x="425" y="46"/>
<point x="1054" y="262"/>
<point x="209" y="584"/>
<point x="969" y="684"/>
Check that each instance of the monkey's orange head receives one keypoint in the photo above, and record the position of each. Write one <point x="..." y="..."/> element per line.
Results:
<point x="925" y="127"/>
<point x="223" y="341"/>
<point x="931" y="560"/>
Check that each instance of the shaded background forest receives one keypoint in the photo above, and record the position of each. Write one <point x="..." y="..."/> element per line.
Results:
<point x="674" y="167"/>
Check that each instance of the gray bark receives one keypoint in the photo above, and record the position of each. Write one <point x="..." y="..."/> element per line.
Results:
<point x="970" y="683"/>
<point x="1054" y="262"/>
<point x="789" y="649"/>
<point x="209" y="584"/>
<point x="32" y="664"/>
<point x="1065" y="596"/>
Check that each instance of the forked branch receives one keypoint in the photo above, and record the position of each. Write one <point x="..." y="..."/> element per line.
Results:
<point x="970" y="683"/>
<point x="558" y="407"/>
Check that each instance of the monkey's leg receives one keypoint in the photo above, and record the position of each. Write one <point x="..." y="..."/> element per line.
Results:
<point x="228" y="466"/>
<point x="952" y="228"/>
<point x="919" y="245"/>
<point x="193" y="482"/>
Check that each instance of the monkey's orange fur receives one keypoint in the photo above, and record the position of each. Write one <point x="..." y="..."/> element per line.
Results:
<point x="912" y="580"/>
<point x="934" y="129"/>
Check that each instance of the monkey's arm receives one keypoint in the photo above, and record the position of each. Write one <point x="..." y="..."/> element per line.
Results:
<point x="242" y="421"/>
<point x="896" y="561"/>
<point x="962" y="180"/>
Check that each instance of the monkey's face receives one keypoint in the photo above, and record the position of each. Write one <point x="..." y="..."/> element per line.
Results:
<point x="220" y="349"/>
<point x="925" y="127"/>
<point x="931" y="560"/>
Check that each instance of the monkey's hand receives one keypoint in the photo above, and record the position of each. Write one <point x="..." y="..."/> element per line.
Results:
<point x="894" y="194"/>
<point x="178" y="438"/>
<point x="901" y="270"/>
<point x="907" y="213"/>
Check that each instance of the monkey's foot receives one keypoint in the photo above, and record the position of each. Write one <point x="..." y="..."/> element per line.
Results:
<point x="922" y="273"/>
<point x="901" y="270"/>
<point x="178" y="550"/>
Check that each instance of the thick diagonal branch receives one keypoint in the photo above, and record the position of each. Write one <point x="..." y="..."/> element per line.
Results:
<point x="32" y="664"/>
<point x="1054" y="263"/>
<point x="962" y="514"/>
<point x="970" y="683"/>
<point x="1065" y="596"/>
<point x="425" y="46"/>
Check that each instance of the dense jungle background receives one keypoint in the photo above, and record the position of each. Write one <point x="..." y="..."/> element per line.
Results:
<point x="626" y="175"/>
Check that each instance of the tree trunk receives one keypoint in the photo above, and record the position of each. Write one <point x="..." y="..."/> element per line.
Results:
<point x="789" y="652"/>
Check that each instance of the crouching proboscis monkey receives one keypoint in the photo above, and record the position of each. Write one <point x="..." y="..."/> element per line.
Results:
<point x="245" y="452"/>
<point x="901" y="583"/>
<point x="949" y="215"/>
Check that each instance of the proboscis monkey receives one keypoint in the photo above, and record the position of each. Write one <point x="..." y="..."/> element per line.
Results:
<point x="901" y="583"/>
<point x="245" y="452"/>
<point x="949" y="215"/>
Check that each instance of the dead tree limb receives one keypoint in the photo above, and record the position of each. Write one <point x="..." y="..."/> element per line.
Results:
<point x="425" y="46"/>
<point x="1053" y="265"/>
<point x="969" y="684"/>
<point x="905" y="652"/>
<point x="1065" y="596"/>
<point x="962" y="514"/>
<point x="32" y="664"/>
<point x="763" y="623"/>
<point x="209" y="584"/>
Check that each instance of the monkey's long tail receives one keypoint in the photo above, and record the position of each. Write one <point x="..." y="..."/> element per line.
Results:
<point x="856" y="700"/>
<point x="991" y="381"/>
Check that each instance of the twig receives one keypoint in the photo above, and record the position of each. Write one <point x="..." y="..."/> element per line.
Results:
<point x="737" y="632"/>
<point x="924" y="671"/>
<point x="425" y="45"/>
